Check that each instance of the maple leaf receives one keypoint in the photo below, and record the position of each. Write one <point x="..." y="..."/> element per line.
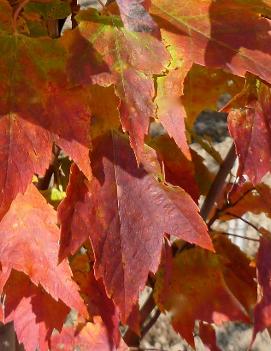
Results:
<point x="5" y="16"/>
<point x="200" y="80"/>
<point x="136" y="18"/>
<point x="228" y="34"/>
<point x="200" y="294"/>
<point x="87" y="337"/>
<point x="49" y="10"/>
<point x="208" y="337"/>
<point x="29" y="243"/>
<point x="105" y="114"/>
<point x="34" y="312"/>
<point x="94" y="294"/>
<point x="249" y="125"/>
<point x="133" y="57"/>
<point x="123" y="232"/>
<point x="262" y="311"/>
<point x="171" y="113"/>
<point x="248" y="198"/>
<point x="238" y="272"/>
<point x="178" y="169"/>
<point x="37" y="109"/>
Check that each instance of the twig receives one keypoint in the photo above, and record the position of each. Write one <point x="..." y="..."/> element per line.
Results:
<point x="150" y="323"/>
<point x="217" y="188"/>
<point x="74" y="7"/>
<point x="130" y="338"/>
<point x="237" y="236"/>
<point x="101" y="3"/>
<point x="244" y="220"/>
<point x="231" y="204"/>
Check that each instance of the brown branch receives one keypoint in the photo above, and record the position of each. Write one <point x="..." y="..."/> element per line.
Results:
<point x="237" y="236"/>
<point x="101" y="3"/>
<point x="75" y="8"/>
<point x="217" y="188"/>
<point x="130" y="338"/>
<point x="150" y="323"/>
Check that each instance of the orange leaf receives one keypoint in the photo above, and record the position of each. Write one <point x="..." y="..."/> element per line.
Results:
<point x="37" y="108"/>
<point x="87" y="337"/>
<point x="228" y="34"/>
<point x="249" y="126"/>
<point x="194" y="289"/>
<point x="133" y="58"/>
<point x="262" y="312"/>
<point x="94" y="294"/>
<point x="34" y="313"/>
<point x="29" y="243"/>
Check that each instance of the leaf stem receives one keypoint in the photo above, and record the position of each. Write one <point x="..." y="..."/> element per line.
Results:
<point x="130" y="338"/>
<point x="217" y="187"/>
<point x="17" y="13"/>
<point x="244" y="220"/>
<point x="237" y="236"/>
<point x="150" y="323"/>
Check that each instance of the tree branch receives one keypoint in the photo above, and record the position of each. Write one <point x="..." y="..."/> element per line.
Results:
<point x="237" y="236"/>
<point x="130" y="338"/>
<point x="217" y="188"/>
<point x="245" y="221"/>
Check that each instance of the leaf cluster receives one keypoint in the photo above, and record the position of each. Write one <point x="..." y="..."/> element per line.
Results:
<point x="100" y="186"/>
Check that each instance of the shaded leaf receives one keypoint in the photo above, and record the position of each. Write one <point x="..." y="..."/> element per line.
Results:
<point x="228" y="34"/>
<point x="94" y="294"/>
<point x="136" y="18"/>
<point x="29" y="243"/>
<point x="5" y="16"/>
<point x="249" y="126"/>
<point x="239" y="274"/>
<point x="204" y="177"/>
<point x="262" y="312"/>
<point x="203" y="87"/>
<point x="171" y="113"/>
<point x="86" y="337"/>
<point x="49" y="10"/>
<point x="133" y="58"/>
<point x="104" y="107"/>
<point x="208" y="337"/>
<point x="195" y="289"/>
<point x="120" y="209"/>
<point x="178" y="169"/>
<point x="248" y="198"/>
<point x="35" y="313"/>
<point x="72" y="216"/>
<point x="35" y="107"/>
